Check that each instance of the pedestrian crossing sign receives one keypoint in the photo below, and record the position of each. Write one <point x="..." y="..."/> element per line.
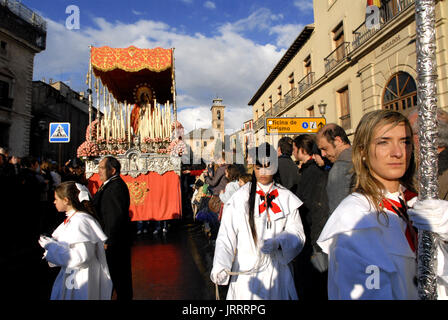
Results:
<point x="59" y="132"/>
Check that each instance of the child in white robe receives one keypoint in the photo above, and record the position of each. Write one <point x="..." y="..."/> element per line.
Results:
<point x="260" y="234"/>
<point x="77" y="246"/>
<point x="371" y="237"/>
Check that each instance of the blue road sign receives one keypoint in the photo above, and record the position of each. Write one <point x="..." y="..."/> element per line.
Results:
<point x="59" y="132"/>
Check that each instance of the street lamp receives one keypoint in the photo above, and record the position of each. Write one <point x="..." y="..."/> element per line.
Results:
<point x="322" y="107"/>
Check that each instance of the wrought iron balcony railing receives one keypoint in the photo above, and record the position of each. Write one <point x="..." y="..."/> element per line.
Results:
<point x="259" y="123"/>
<point x="387" y="12"/>
<point x="306" y="82"/>
<point x="290" y="95"/>
<point x="336" y="56"/>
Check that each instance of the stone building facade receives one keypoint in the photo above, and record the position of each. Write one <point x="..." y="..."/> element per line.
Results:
<point x="22" y="36"/>
<point x="57" y="102"/>
<point x="352" y="69"/>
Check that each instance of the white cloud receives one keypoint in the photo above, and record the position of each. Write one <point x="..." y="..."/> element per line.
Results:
<point x="227" y="64"/>
<point x="187" y="1"/>
<point x="138" y="13"/>
<point x="304" y="5"/>
<point x="286" y="34"/>
<point x="209" y="5"/>
<point x="261" y="19"/>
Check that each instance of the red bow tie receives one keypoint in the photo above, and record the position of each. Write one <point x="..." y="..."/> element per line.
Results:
<point x="411" y="235"/>
<point x="268" y="201"/>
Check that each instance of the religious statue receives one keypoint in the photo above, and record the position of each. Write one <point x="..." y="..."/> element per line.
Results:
<point x="144" y="98"/>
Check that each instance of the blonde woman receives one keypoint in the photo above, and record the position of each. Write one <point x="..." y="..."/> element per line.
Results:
<point x="371" y="238"/>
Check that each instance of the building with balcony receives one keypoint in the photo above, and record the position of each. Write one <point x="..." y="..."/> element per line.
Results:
<point x="340" y="62"/>
<point x="22" y="36"/>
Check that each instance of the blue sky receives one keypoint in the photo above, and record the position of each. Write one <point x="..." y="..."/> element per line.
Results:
<point x="224" y="48"/>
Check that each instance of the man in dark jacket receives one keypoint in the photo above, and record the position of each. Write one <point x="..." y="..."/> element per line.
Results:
<point x="288" y="172"/>
<point x="112" y="206"/>
<point x="334" y="144"/>
<point x="311" y="277"/>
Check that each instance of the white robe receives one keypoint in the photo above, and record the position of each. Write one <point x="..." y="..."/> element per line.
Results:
<point x="368" y="258"/>
<point x="235" y="249"/>
<point x="79" y="251"/>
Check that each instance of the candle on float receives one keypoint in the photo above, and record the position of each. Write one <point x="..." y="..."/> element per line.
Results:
<point x="158" y="121"/>
<point x="123" y="135"/>
<point x="164" y="121"/>
<point x="148" y="119"/>
<point x="149" y="123"/>
<point x="168" y="127"/>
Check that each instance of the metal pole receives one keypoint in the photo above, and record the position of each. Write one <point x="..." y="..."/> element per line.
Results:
<point x="89" y="91"/>
<point x="427" y="121"/>
<point x="173" y="74"/>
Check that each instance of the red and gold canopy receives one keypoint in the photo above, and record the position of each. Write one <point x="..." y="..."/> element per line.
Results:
<point x="122" y="70"/>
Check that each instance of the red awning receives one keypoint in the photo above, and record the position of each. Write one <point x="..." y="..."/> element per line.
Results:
<point x="123" y="70"/>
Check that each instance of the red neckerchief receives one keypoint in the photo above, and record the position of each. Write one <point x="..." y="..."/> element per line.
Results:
<point x="268" y="201"/>
<point x="400" y="209"/>
<point x="66" y="220"/>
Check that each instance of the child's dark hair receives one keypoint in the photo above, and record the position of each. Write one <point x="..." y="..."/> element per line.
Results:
<point x="246" y="177"/>
<point x="234" y="173"/>
<point x="70" y="191"/>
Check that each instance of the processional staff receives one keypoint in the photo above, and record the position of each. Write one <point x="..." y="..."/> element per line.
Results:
<point x="89" y="92"/>
<point x="427" y="123"/>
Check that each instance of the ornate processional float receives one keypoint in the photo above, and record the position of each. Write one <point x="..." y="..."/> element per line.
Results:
<point x="136" y="122"/>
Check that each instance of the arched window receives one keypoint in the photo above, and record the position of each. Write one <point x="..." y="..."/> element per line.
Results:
<point x="400" y="93"/>
<point x="218" y="113"/>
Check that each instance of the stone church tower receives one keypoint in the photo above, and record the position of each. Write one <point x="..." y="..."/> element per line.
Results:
<point x="218" y="119"/>
<point x="217" y="127"/>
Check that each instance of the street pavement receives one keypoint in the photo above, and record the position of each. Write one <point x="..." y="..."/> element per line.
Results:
<point x="173" y="266"/>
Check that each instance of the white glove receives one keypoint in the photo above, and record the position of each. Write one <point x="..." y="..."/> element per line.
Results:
<point x="221" y="278"/>
<point x="269" y="245"/>
<point x="44" y="241"/>
<point x="430" y="215"/>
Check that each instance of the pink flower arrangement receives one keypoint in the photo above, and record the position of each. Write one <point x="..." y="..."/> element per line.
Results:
<point x="176" y="147"/>
<point x="92" y="127"/>
<point x="88" y="149"/>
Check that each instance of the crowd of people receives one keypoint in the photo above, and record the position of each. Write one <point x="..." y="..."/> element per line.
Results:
<point x="319" y="228"/>
<point x="308" y="220"/>
<point x="27" y="191"/>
